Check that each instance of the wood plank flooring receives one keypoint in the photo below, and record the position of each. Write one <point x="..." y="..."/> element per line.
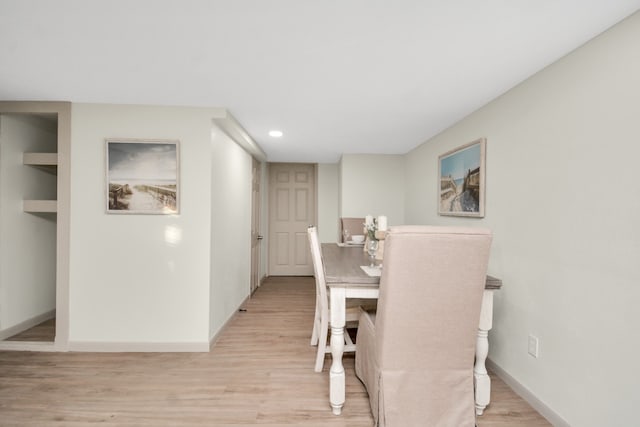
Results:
<point x="43" y="332"/>
<point x="260" y="372"/>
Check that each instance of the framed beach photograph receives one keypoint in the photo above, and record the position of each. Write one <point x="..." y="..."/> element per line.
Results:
<point x="461" y="188"/>
<point x="142" y="176"/>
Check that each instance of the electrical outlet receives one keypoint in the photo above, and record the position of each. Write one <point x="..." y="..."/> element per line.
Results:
<point x="533" y="346"/>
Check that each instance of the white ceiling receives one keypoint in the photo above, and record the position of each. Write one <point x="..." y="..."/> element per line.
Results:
<point x="336" y="76"/>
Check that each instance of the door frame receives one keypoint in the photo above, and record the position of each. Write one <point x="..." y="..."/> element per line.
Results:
<point x="256" y="223"/>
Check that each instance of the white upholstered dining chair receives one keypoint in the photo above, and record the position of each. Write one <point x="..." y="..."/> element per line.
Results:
<point x="322" y="313"/>
<point x="415" y="354"/>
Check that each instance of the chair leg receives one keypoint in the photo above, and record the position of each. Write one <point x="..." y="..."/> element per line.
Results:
<point x="347" y="339"/>
<point x="316" y="328"/>
<point x="322" y="346"/>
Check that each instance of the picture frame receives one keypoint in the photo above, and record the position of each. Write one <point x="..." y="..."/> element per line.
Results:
<point x="142" y="176"/>
<point x="461" y="183"/>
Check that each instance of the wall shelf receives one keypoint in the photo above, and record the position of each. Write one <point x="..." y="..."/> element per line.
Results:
<point x="40" y="206"/>
<point x="45" y="161"/>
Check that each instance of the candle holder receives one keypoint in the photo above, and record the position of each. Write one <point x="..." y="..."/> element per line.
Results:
<point x="381" y="236"/>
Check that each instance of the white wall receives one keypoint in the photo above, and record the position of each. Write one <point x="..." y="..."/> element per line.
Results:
<point x="328" y="184"/>
<point x="27" y="241"/>
<point x="140" y="279"/>
<point x="370" y="183"/>
<point x="230" y="228"/>
<point x="562" y="162"/>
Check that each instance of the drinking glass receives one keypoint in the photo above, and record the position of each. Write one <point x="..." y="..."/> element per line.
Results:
<point x="372" y="248"/>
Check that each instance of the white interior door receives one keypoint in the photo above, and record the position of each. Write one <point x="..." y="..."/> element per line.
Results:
<point x="292" y="208"/>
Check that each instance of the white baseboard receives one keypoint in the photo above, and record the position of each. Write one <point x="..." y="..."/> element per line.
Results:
<point x="110" y="347"/>
<point x="27" y="324"/>
<point x="551" y="416"/>
<point x="27" y="346"/>
<point x="138" y="347"/>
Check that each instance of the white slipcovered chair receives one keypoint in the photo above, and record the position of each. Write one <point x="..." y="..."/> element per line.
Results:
<point x="415" y="354"/>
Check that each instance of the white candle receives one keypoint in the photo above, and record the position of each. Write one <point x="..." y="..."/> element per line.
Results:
<point x="368" y="219"/>
<point x="382" y="223"/>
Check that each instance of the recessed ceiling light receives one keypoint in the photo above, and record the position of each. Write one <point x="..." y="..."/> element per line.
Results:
<point x="275" y="133"/>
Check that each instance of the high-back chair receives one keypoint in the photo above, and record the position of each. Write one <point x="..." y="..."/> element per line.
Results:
<point x="352" y="225"/>
<point x="322" y="314"/>
<point x="415" y="354"/>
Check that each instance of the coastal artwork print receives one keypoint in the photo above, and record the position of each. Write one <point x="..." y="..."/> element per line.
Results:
<point x="142" y="177"/>
<point x="462" y="173"/>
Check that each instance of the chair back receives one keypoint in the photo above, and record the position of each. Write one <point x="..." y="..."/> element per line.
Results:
<point x="430" y="297"/>
<point x="318" y="269"/>
<point x="352" y="225"/>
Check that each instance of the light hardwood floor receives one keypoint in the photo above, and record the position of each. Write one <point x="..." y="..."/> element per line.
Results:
<point x="260" y="372"/>
<point x="43" y="332"/>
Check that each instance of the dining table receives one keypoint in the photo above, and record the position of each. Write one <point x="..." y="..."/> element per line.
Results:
<point x="345" y="278"/>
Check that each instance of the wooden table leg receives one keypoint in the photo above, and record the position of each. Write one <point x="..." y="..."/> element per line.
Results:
<point x="482" y="381"/>
<point x="336" y="373"/>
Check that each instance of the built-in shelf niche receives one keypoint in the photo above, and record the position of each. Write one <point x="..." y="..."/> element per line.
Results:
<point x="35" y="203"/>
